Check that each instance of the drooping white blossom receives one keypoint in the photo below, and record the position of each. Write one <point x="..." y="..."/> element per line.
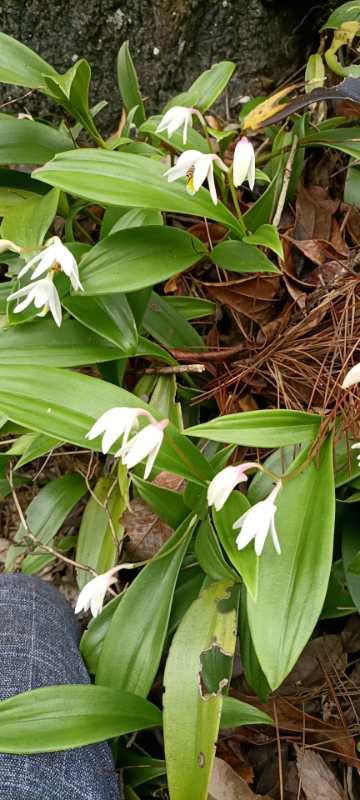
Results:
<point x="54" y="256"/>
<point x="222" y="485"/>
<point x="197" y="167"/>
<point x="244" y="163"/>
<point x="258" y="522"/>
<point x="92" y="596"/>
<point x="114" y="423"/>
<point x="352" y="377"/>
<point x="145" y="445"/>
<point x="43" y="294"/>
<point x="178" y="117"/>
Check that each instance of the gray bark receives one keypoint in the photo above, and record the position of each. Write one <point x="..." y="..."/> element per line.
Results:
<point x="171" y="41"/>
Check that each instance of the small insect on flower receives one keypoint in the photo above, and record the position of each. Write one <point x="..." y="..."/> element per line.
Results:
<point x="54" y="257"/>
<point x="116" y="422"/>
<point x="178" y="117"/>
<point x="197" y="167"/>
<point x="92" y="596"/>
<point x="244" y="163"/>
<point x="44" y="296"/>
<point x="225" y="481"/>
<point x="258" y="522"/>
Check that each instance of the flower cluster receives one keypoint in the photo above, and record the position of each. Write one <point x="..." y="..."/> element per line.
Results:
<point x="117" y="422"/>
<point x="55" y="257"/>
<point x="198" y="167"/>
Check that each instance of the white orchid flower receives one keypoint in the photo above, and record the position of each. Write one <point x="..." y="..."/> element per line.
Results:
<point x="352" y="377"/>
<point x="356" y="447"/>
<point x="92" y="596"/>
<point x="258" y="522"/>
<point x="222" y="485"/>
<point x="116" y="422"/>
<point x="54" y="256"/>
<point x="43" y="294"/>
<point x="196" y="167"/>
<point x="178" y="117"/>
<point x="7" y="244"/>
<point x="244" y="163"/>
<point x="146" y="444"/>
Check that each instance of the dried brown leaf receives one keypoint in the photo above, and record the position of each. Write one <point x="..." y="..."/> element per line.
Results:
<point x="317" y="780"/>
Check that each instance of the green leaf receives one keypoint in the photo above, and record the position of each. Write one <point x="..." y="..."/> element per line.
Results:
<point x="167" y="504"/>
<point x="253" y="673"/>
<point x="63" y="717"/>
<point x="129" y="84"/>
<point x="235" y="713"/>
<point x="21" y="66"/>
<point x="209" y="554"/>
<point x="168" y="327"/>
<point x="92" y="640"/>
<point x="23" y="141"/>
<point x="119" y="219"/>
<point x="261" y="212"/>
<point x="35" y="445"/>
<point x="190" y="582"/>
<point x="42" y="343"/>
<point x="245" y="561"/>
<point x="110" y="316"/>
<point x="136" y="258"/>
<point x="71" y="90"/>
<point x="28" y="223"/>
<point x="207" y="87"/>
<point x="46" y="514"/>
<point x="194" y="139"/>
<point x="315" y="75"/>
<point x="347" y="140"/>
<point x="197" y="669"/>
<point x="338" y="600"/>
<point x="128" y="180"/>
<point x="266" y="236"/>
<point x="268" y="428"/>
<point x="191" y="307"/>
<point x="15" y="187"/>
<point x="350" y="551"/>
<point x="100" y="530"/>
<point x="134" y="643"/>
<point x="292" y="587"/>
<point x="278" y="463"/>
<point x="240" y="257"/>
<point x="139" y="768"/>
<point x="346" y="12"/>
<point x="352" y="187"/>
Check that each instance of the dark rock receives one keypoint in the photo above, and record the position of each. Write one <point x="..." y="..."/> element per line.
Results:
<point x="171" y="41"/>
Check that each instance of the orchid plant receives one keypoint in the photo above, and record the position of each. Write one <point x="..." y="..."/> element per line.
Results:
<point x="94" y="237"/>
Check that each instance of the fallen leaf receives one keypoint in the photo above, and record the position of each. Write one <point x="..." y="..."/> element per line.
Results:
<point x="146" y="533"/>
<point x="226" y="784"/>
<point x="324" y="655"/>
<point x="317" y="780"/>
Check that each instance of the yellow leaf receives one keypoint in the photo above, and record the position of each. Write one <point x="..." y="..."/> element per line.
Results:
<point x="267" y="109"/>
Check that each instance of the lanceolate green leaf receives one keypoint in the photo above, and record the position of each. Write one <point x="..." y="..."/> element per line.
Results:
<point x="139" y="257"/>
<point x="129" y="84"/>
<point x="133" y="645"/>
<point x="245" y="561"/>
<point x="62" y="717"/>
<point x="346" y="12"/>
<point x="100" y="529"/>
<point x="44" y="344"/>
<point x="207" y="87"/>
<point x="128" y="180"/>
<point x="168" y="326"/>
<point x="110" y="316"/>
<point x="47" y="512"/>
<point x="28" y="223"/>
<point x="240" y="257"/>
<point x="260" y="428"/>
<point x="292" y="586"/>
<point x="197" y="669"/>
<point x="23" y="141"/>
<point x="20" y="65"/>
<point x="236" y="713"/>
<point x="66" y="404"/>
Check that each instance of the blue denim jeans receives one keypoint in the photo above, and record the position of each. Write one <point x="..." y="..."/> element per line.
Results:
<point x="39" y="637"/>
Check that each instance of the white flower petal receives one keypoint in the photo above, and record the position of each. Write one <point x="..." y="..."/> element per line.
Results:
<point x="244" y="163"/>
<point x="212" y="187"/>
<point x="352" y="377"/>
<point x="202" y="167"/>
<point x="141" y="446"/>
